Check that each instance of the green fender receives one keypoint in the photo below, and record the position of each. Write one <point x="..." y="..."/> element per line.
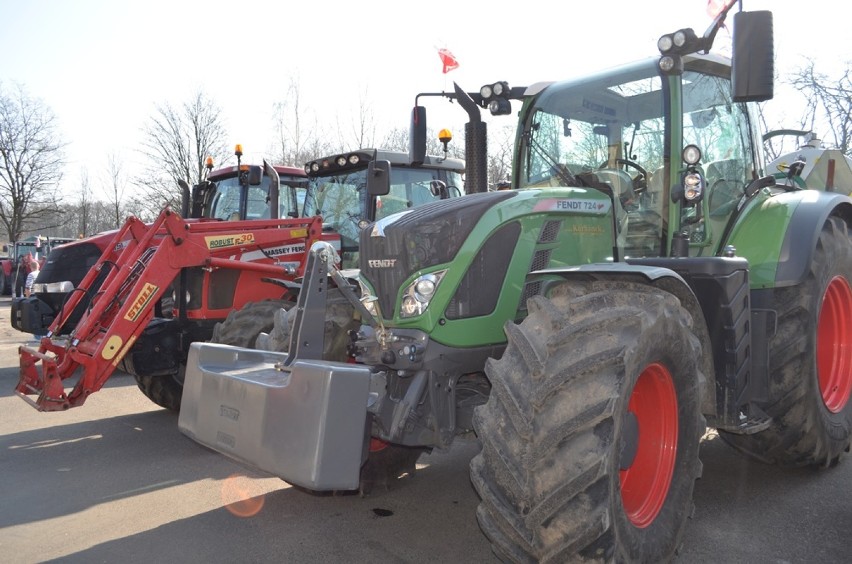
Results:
<point x="778" y="234"/>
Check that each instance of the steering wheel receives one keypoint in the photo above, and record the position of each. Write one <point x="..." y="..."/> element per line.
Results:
<point x="640" y="181"/>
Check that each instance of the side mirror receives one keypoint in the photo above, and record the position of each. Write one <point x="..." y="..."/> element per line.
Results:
<point x="274" y="187"/>
<point x="439" y="189"/>
<point x="255" y="175"/>
<point x="378" y="178"/>
<point x="753" y="63"/>
<point x="184" y="197"/>
<point x="417" y="136"/>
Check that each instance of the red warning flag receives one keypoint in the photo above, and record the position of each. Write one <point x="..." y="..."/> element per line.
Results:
<point x="448" y="59"/>
<point x="714" y="7"/>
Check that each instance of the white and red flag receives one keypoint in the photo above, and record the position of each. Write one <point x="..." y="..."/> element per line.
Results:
<point x="448" y="60"/>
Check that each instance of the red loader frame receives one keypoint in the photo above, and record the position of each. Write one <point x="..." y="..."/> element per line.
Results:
<point x="149" y="259"/>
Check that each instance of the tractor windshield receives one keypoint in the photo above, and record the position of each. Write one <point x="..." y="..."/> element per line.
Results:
<point x="341" y="199"/>
<point x="226" y="203"/>
<point x="610" y="132"/>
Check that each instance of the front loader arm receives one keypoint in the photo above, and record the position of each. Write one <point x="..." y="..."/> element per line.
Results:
<point x="150" y="258"/>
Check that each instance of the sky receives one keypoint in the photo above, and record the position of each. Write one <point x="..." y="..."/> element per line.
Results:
<point x="103" y="66"/>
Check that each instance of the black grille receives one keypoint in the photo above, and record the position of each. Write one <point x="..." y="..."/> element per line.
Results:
<point x="195" y="286"/>
<point x="479" y="290"/>
<point x="425" y="236"/>
<point x="69" y="262"/>
<point x="530" y="289"/>
<point x="550" y="231"/>
<point x="223" y="285"/>
<point x="540" y="260"/>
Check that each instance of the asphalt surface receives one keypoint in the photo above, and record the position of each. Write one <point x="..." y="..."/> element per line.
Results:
<point x="115" y="481"/>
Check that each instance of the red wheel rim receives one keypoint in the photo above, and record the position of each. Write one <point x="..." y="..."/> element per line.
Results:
<point x="834" y="345"/>
<point x="645" y="483"/>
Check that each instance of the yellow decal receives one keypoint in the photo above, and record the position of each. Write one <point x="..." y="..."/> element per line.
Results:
<point x="222" y="241"/>
<point x="126" y="348"/>
<point x="112" y="346"/>
<point x="586" y="229"/>
<point x="138" y="305"/>
<point x="298" y="233"/>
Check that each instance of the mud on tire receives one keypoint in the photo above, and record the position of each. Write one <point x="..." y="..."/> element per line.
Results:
<point x="563" y="475"/>
<point x="339" y="320"/>
<point x="810" y="362"/>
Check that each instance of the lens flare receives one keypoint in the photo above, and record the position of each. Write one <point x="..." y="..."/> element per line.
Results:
<point x="241" y="496"/>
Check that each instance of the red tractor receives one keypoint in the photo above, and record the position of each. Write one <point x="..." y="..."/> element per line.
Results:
<point x="136" y="298"/>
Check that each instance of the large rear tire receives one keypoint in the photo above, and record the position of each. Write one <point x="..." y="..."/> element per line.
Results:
<point x="241" y="329"/>
<point x="590" y="436"/>
<point x="810" y="362"/>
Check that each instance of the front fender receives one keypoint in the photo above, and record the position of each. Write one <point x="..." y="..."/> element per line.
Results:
<point x="669" y="274"/>
<point x="778" y="234"/>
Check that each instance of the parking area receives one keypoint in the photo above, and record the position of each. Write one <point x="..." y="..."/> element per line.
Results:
<point x="115" y="481"/>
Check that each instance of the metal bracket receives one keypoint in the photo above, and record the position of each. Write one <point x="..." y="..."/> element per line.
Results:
<point x="308" y="336"/>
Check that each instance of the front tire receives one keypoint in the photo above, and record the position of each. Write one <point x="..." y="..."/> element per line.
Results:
<point x="810" y="362"/>
<point x="591" y="432"/>
<point x="339" y="321"/>
<point x="240" y="329"/>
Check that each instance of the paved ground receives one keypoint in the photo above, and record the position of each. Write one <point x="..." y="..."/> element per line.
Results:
<point x="114" y="481"/>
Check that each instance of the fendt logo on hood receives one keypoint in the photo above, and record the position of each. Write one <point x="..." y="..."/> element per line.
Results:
<point x="381" y="263"/>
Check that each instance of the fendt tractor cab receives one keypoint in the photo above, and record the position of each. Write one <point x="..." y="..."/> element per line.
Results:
<point x="645" y="278"/>
<point x="338" y="190"/>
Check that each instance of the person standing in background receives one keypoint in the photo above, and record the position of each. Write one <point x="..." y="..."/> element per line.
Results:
<point x="31" y="277"/>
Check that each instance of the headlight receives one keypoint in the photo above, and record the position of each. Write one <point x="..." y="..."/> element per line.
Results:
<point x="410" y="307"/>
<point x="691" y="155"/>
<point x="419" y="293"/>
<point x="53" y="287"/>
<point x="667" y="64"/>
<point x="425" y="287"/>
<point x="186" y="296"/>
<point x="693" y="186"/>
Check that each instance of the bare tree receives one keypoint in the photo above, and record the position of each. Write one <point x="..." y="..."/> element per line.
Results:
<point x="32" y="161"/>
<point x="85" y="204"/>
<point x="362" y="125"/>
<point x="177" y="142"/>
<point x="500" y="146"/>
<point x="296" y="143"/>
<point x="117" y="184"/>
<point x="397" y="140"/>
<point x="829" y="103"/>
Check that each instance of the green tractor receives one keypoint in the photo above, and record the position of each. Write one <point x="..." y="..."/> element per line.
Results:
<point x="645" y="279"/>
